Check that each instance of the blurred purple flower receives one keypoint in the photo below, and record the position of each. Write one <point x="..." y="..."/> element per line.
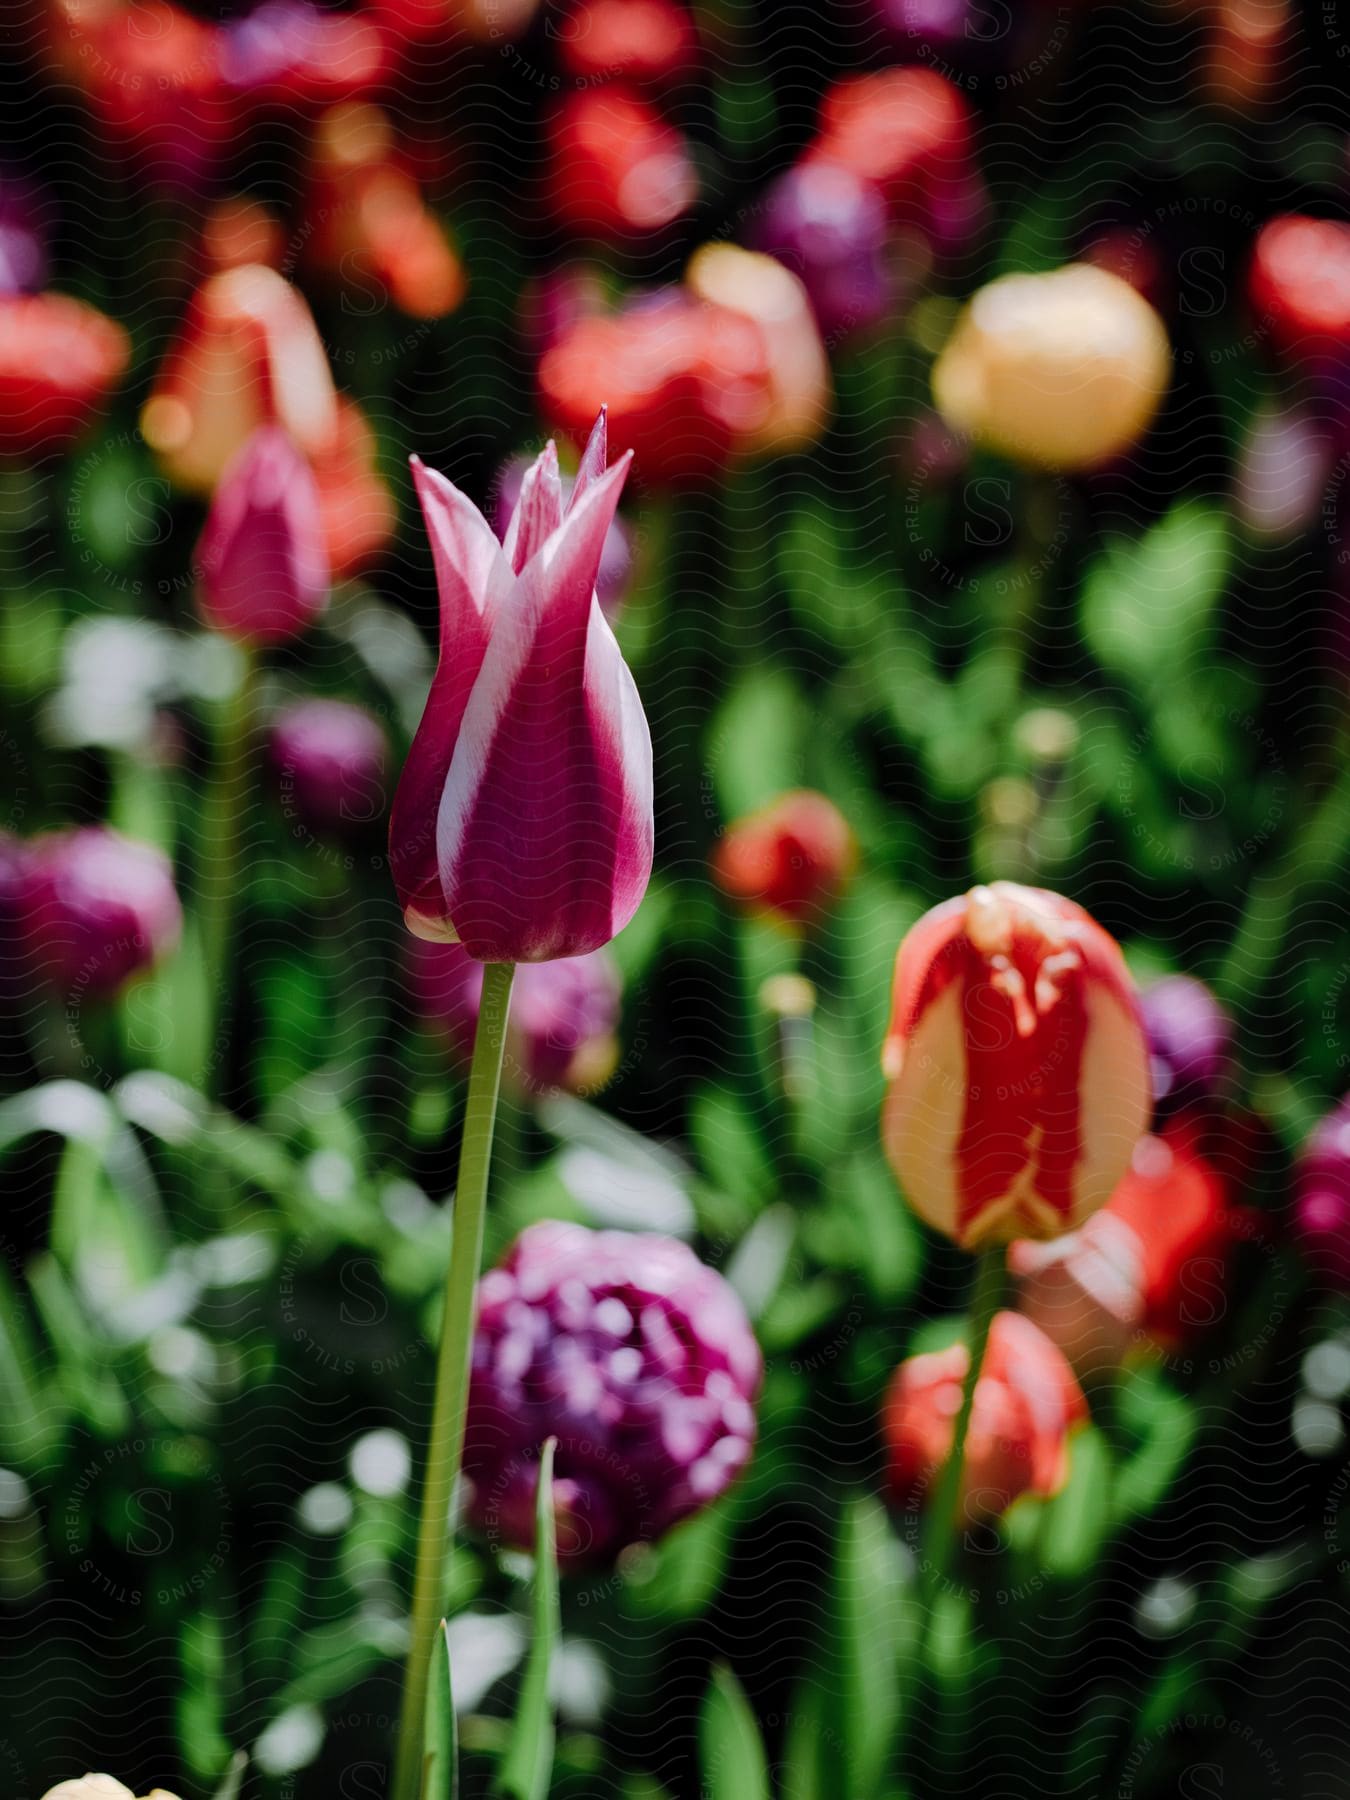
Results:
<point x="637" y="1358"/>
<point x="1189" y="1039"/>
<point x="23" y="237"/>
<point x="1282" y="471"/>
<point x="830" y="227"/>
<point x="95" y="908"/>
<point x="1322" y="1197"/>
<point x="331" y="758"/>
<point x="562" y="1031"/>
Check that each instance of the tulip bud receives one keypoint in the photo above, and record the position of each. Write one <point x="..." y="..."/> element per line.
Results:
<point x="796" y="394"/>
<point x="248" y="355"/>
<point x="1300" y="286"/>
<point x="616" y="559"/>
<point x="1060" y="371"/>
<point x="1155" y="1261"/>
<point x="1189" y="1040"/>
<point x="791" y="858"/>
<point x="331" y="758"/>
<point x="637" y="1358"/>
<point x="59" y="359"/>
<point x="261" y="558"/>
<point x="563" y="1024"/>
<point x="1322" y="1197"/>
<point x="1016" y="1063"/>
<point x="643" y="41"/>
<point x="522" y="826"/>
<point x="1026" y="1403"/>
<point x="830" y="228"/>
<point x="616" y="167"/>
<point x="95" y="908"/>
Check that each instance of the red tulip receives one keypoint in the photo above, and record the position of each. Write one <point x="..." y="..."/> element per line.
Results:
<point x="909" y="131"/>
<point x="1156" y="1261"/>
<point x="1017" y="1066"/>
<point x="679" y="379"/>
<point x="522" y="825"/>
<point x="264" y="573"/>
<point x="1300" y="284"/>
<point x="616" y="167"/>
<point x="246" y="355"/>
<point x="1026" y="1403"/>
<point x="645" y="41"/>
<point x="791" y="858"/>
<point x="367" y="222"/>
<point x="59" y="359"/>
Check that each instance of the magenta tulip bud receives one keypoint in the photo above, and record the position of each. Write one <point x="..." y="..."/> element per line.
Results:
<point x="1189" y="1039"/>
<point x="522" y="825"/>
<point x="331" y="760"/>
<point x="261" y="558"/>
<point x="95" y="908"/>
<point x="564" y="1020"/>
<point x="830" y="227"/>
<point x="636" y="1357"/>
<point x="1322" y="1197"/>
<point x="616" y="559"/>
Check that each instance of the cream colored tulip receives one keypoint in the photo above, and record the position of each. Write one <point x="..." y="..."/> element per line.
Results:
<point x="798" y="372"/>
<point x="1059" y="371"/>
<point x="100" y="1787"/>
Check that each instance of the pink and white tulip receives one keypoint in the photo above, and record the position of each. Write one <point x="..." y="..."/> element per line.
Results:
<point x="1017" y="1067"/>
<point x="522" y="826"/>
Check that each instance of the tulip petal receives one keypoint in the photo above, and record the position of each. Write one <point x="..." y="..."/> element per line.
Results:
<point x="594" y="459"/>
<point x="539" y="509"/>
<point x="544" y="832"/>
<point x="471" y="575"/>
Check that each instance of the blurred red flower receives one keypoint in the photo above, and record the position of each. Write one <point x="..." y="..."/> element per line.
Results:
<point x="58" y="361"/>
<point x="1026" y="1402"/>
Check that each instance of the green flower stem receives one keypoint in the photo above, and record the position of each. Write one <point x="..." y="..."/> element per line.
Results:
<point x="452" y="1368"/>
<point x="220" y="868"/>
<point x="940" y="1540"/>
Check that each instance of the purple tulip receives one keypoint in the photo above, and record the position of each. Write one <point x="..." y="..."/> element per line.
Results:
<point x="636" y="1357"/>
<point x="262" y="559"/>
<point x="1322" y="1197"/>
<point x="23" y="237"/>
<point x="1282" y="472"/>
<point x="829" y="227"/>
<point x="564" y="1015"/>
<point x="616" y="559"/>
<point x="331" y="759"/>
<point x="1189" y="1039"/>
<point x="522" y="826"/>
<point x="95" y="908"/>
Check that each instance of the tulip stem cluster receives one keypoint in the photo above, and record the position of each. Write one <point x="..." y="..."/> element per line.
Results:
<point x="446" y="1448"/>
<point x="943" y="1518"/>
